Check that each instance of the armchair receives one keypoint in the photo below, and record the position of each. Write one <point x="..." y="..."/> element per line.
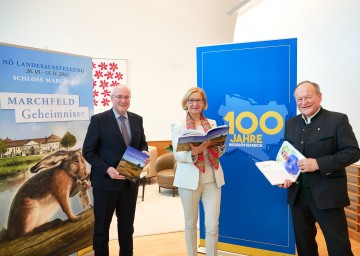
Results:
<point x="150" y="168"/>
<point x="165" y="168"/>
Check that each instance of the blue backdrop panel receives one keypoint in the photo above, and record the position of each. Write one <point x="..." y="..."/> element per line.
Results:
<point x="250" y="88"/>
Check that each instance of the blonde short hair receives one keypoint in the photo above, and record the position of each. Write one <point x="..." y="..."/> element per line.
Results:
<point x="191" y="91"/>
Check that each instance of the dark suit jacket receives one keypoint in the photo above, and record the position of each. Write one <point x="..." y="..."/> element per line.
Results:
<point x="104" y="146"/>
<point x="329" y="139"/>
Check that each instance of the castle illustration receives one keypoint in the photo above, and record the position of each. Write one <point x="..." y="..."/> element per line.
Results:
<point x="35" y="146"/>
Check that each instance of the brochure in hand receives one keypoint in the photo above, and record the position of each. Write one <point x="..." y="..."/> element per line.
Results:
<point x="217" y="135"/>
<point x="132" y="163"/>
<point x="284" y="168"/>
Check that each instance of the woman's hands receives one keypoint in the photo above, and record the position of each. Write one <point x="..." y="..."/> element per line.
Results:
<point x="199" y="149"/>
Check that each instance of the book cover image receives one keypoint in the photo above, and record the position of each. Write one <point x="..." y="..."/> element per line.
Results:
<point x="217" y="135"/>
<point x="285" y="167"/>
<point x="132" y="163"/>
<point x="289" y="156"/>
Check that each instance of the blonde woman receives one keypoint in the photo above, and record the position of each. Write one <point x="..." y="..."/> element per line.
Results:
<point x="199" y="175"/>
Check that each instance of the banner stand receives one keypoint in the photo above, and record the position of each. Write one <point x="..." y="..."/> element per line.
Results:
<point x="249" y="87"/>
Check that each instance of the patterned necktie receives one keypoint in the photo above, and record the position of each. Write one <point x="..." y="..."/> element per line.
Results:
<point x="124" y="131"/>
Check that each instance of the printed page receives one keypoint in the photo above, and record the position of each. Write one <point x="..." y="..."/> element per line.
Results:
<point x="274" y="172"/>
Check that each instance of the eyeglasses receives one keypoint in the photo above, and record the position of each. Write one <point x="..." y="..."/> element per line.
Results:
<point x="120" y="97"/>
<point x="192" y="101"/>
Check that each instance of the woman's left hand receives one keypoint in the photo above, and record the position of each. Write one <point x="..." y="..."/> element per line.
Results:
<point x="199" y="149"/>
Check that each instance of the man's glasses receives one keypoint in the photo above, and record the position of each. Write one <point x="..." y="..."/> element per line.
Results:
<point x="120" y="97"/>
<point x="192" y="101"/>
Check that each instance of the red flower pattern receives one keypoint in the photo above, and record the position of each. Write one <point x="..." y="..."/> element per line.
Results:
<point x="106" y="74"/>
<point x="103" y="84"/>
<point x="105" y="102"/>
<point x="118" y="75"/>
<point x="103" y="66"/>
<point x="98" y="74"/>
<point x="113" y="83"/>
<point x="106" y="93"/>
<point x="113" y="66"/>
<point x="109" y="75"/>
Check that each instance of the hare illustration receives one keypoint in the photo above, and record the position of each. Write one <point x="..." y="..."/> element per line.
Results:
<point x="39" y="198"/>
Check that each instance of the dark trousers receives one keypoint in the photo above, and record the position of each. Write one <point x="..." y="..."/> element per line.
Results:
<point x="331" y="221"/>
<point x="123" y="203"/>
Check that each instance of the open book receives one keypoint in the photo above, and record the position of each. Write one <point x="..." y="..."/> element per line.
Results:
<point x="132" y="163"/>
<point x="284" y="168"/>
<point x="217" y="135"/>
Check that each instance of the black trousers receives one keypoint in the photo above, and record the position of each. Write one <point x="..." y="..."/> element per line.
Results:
<point x="331" y="221"/>
<point x="123" y="203"/>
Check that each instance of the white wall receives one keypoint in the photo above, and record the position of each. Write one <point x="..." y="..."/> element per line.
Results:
<point x="328" y="35"/>
<point x="157" y="37"/>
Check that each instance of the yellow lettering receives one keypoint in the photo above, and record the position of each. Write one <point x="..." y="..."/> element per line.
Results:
<point x="230" y="119"/>
<point x="246" y="138"/>
<point x="233" y="139"/>
<point x="252" y="117"/>
<point x="279" y="119"/>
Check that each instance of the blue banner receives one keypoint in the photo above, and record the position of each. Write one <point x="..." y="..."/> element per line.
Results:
<point x="250" y="88"/>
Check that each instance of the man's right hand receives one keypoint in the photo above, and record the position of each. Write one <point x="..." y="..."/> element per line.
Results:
<point x="113" y="173"/>
<point x="286" y="184"/>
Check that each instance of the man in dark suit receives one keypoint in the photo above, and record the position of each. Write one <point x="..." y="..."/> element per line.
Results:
<point x="104" y="145"/>
<point x="328" y="142"/>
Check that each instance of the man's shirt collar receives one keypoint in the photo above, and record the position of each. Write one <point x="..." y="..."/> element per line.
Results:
<point x="308" y="119"/>
<point x="117" y="114"/>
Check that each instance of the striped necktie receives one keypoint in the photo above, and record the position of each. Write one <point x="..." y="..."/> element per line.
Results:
<point x="124" y="131"/>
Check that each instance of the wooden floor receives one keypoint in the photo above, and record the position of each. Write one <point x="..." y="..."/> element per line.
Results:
<point x="173" y="244"/>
